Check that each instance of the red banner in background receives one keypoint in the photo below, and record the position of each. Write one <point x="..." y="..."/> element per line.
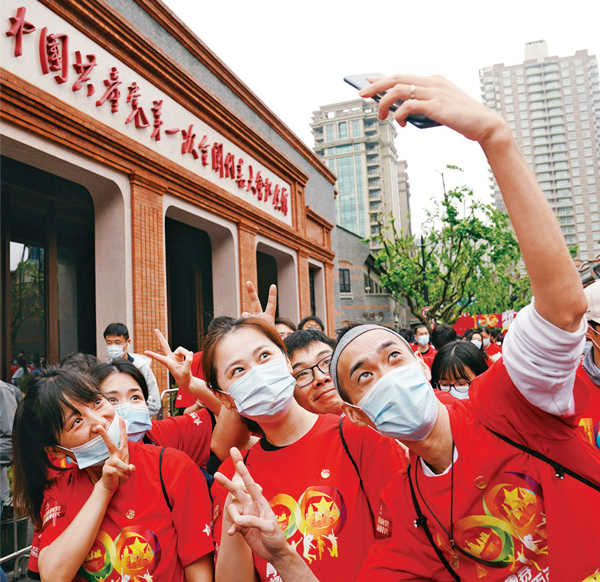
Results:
<point x="465" y="322"/>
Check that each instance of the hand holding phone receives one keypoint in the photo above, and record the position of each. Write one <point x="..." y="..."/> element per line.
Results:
<point x="361" y="81"/>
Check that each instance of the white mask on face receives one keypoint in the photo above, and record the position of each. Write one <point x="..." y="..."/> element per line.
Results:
<point x="476" y="343"/>
<point x="486" y="342"/>
<point x="402" y="404"/>
<point x="95" y="452"/>
<point x="265" y="393"/>
<point x="115" y="352"/>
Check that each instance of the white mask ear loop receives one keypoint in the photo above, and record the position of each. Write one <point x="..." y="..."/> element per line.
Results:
<point x="597" y="333"/>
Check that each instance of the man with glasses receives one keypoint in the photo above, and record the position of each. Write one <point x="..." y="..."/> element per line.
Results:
<point x="309" y="351"/>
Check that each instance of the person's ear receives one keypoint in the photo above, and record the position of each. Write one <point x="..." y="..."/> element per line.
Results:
<point x="226" y="400"/>
<point x="356" y="416"/>
<point x="426" y="368"/>
<point x="57" y="452"/>
<point x="289" y="365"/>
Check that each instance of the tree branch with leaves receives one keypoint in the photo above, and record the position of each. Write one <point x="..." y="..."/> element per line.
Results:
<point x="469" y="261"/>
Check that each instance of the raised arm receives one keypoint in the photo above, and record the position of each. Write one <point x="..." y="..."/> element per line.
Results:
<point x="179" y="363"/>
<point x="558" y="292"/>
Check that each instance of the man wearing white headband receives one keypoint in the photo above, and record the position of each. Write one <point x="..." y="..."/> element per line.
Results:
<point x="473" y="505"/>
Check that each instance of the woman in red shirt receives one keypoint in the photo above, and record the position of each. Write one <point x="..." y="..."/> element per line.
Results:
<point x="130" y="510"/>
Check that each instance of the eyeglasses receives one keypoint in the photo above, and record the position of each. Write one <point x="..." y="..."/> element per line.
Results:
<point x="458" y="386"/>
<point x="306" y="376"/>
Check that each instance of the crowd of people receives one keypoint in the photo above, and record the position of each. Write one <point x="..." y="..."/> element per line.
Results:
<point x="381" y="455"/>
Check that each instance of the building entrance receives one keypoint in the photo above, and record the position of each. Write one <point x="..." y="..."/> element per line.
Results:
<point x="189" y="284"/>
<point x="47" y="267"/>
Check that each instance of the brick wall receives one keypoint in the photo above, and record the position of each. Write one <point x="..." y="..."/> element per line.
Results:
<point x="147" y="238"/>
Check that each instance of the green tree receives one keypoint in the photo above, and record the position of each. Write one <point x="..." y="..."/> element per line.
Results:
<point x="466" y="260"/>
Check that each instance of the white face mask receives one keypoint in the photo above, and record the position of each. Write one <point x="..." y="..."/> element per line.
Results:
<point x="95" y="452"/>
<point x="137" y="418"/>
<point x="265" y="393"/>
<point x="423" y="340"/>
<point x="402" y="404"/>
<point x="486" y="342"/>
<point x="476" y="343"/>
<point x="115" y="352"/>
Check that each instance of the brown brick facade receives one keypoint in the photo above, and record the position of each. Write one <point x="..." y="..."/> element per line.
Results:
<point x="147" y="256"/>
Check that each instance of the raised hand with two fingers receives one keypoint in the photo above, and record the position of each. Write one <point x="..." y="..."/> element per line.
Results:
<point x="116" y="469"/>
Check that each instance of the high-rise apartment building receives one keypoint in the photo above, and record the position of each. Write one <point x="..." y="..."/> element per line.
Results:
<point x="552" y="104"/>
<point x="360" y="150"/>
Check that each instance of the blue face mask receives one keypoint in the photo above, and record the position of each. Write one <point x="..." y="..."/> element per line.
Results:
<point x="423" y="340"/>
<point x="402" y="404"/>
<point x="95" y="452"/>
<point x="265" y="393"/>
<point x="115" y="352"/>
<point x="138" y="420"/>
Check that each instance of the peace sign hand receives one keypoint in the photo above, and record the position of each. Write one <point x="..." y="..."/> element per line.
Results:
<point x="117" y="469"/>
<point x="256" y="309"/>
<point x="179" y="362"/>
<point x="251" y="513"/>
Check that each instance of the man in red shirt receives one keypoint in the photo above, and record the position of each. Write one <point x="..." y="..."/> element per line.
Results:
<point x="492" y="510"/>
<point x="491" y="349"/>
<point x="423" y="346"/>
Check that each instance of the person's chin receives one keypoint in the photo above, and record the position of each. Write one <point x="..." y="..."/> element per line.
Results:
<point x="326" y="401"/>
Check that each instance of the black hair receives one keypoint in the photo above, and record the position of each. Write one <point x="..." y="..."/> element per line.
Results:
<point x="406" y="333"/>
<point x="22" y="363"/>
<point x="39" y="421"/>
<point x="286" y="321"/>
<point x="117" y="329"/>
<point x="496" y="332"/>
<point x="441" y="335"/>
<point x="469" y="336"/>
<point x="218" y="322"/>
<point x="456" y="359"/>
<point x="303" y="338"/>
<point x="102" y="371"/>
<point x="311" y="318"/>
<point x="79" y="361"/>
<point x="419" y="326"/>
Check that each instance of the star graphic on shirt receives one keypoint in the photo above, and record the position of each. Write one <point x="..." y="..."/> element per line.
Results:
<point x="324" y="506"/>
<point x="207" y="530"/>
<point x="197" y="420"/>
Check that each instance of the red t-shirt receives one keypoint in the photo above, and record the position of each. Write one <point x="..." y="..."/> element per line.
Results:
<point x="190" y="433"/>
<point x="428" y="356"/>
<point x="315" y="493"/>
<point x="513" y="517"/>
<point x="184" y="398"/>
<point x="493" y="349"/>
<point x="139" y="534"/>
<point x="589" y="423"/>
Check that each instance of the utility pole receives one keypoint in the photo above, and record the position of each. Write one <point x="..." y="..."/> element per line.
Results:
<point x="425" y="289"/>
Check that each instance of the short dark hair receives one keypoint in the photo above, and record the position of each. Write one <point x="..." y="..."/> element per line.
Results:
<point x="286" y="321"/>
<point x="79" y="361"/>
<point x="303" y="338"/>
<point x="496" y="332"/>
<point x="441" y="335"/>
<point x="102" y="371"/>
<point x="419" y="326"/>
<point x="117" y="329"/>
<point x="455" y="359"/>
<point x="311" y="318"/>
<point x="406" y="333"/>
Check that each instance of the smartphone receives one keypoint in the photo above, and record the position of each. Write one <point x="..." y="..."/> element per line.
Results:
<point x="361" y="81"/>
